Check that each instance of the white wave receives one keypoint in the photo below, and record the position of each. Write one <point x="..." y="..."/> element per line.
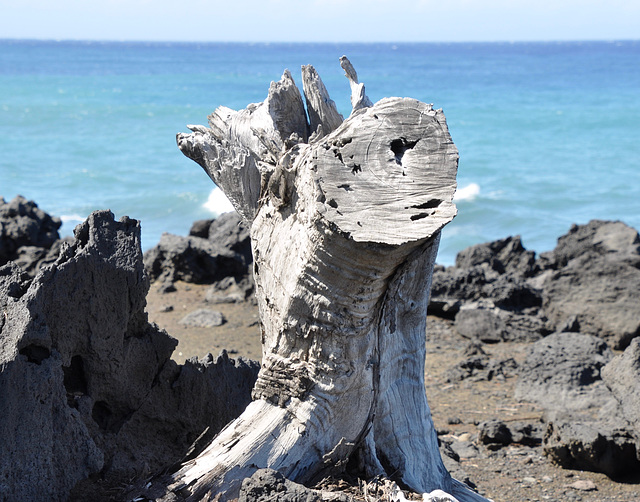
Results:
<point x="218" y="203"/>
<point x="72" y="218"/>
<point x="468" y="192"/>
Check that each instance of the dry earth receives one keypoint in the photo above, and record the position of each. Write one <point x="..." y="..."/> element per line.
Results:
<point x="511" y="474"/>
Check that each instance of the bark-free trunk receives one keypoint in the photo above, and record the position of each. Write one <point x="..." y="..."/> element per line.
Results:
<point x="345" y="222"/>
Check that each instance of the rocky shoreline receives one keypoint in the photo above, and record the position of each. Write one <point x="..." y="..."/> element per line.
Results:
<point x="92" y="398"/>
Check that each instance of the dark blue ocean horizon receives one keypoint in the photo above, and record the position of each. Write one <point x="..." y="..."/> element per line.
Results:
<point x="547" y="131"/>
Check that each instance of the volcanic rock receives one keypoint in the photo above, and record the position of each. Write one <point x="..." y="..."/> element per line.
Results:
<point x="27" y="234"/>
<point x="590" y="446"/>
<point x="480" y="324"/>
<point x="613" y="240"/>
<point x="87" y="385"/>
<point x="203" y="318"/>
<point x="562" y="371"/>
<point x="266" y="485"/>
<point x="216" y="249"/>
<point x="595" y="283"/>
<point x="503" y="256"/>
<point x="622" y="376"/>
<point x="496" y="433"/>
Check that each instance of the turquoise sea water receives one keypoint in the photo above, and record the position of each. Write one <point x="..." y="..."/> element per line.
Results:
<point x="548" y="133"/>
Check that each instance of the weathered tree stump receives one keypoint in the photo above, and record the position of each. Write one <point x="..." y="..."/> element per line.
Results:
<point x="345" y="222"/>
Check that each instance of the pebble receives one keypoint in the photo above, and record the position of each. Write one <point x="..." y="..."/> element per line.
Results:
<point x="585" y="485"/>
<point x="203" y="318"/>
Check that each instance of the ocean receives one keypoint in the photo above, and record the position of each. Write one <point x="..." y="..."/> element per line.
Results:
<point x="548" y="133"/>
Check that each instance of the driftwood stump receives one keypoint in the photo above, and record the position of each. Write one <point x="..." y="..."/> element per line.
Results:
<point x="345" y="222"/>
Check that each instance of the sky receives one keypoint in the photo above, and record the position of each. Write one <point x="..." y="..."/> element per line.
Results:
<point x="321" y="20"/>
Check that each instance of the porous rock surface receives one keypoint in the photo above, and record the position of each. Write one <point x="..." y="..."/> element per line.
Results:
<point x="87" y="386"/>
<point x="594" y="281"/>
<point x="267" y="485"/>
<point x="214" y="250"/>
<point x="562" y="371"/>
<point x="28" y="235"/>
<point x="574" y="303"/>
<point x="622" y="376"/>
<point x="589" y="283"/>
<point x="591" y="445"/>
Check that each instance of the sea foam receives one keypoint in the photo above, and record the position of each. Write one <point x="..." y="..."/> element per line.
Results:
<point x="468" y="192"/>
<point x="218" y="202"/>
<point x="72" y="218"/>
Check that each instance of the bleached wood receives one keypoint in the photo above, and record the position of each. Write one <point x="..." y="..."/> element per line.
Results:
<point x="241" y="148"/>
<point x="345" y="231"/>
<point x="358" y="97"/>
<point x="388" y="173"/>
<point x="323" y="114"/>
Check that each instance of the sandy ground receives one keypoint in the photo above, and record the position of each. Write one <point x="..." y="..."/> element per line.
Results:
<point x="239" y="335"/>
<point x="512" y="474"/>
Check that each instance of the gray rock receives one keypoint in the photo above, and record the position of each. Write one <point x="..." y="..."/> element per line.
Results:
<point x="230" y="232"/>
<point x="526" y="327"/>
<point x="480" y="324"/>
<point x="200" y="228"/>
<point x="192" y="259"/>
<point x="74" y="320"/>
<point x="465" y="449"/>
<point x="267" y="485"/>
<point x="28" y="235"/>
<point x="451" y="461"/>
<point x="504" y="256"/>
<point x="494" y="432"/>
<point x="227" y="230"/>
<point x="481" y="367"/>
<point x="562" y="371"/>
<point x="492" y="325"/>
<point x="592" y="283"/>
<point x="445" y="449"/>
<point x="214" y="250"/>
<point x="86" y="383"/>
<point x="473" y="367"/>
<point x="583" y="485"/>
<point x="203" y="318"/>
<point x="506" y="291"/>
<point x="599" y="295"/>
<point x="622" y="376"/>
<point x="588" y="446"/>
<point x="184" y="410"/>
<point x="526" y="433"/>
<point x="611" y="239"/>
<point x="22" y="223"/>
<point x="230" y="290"/>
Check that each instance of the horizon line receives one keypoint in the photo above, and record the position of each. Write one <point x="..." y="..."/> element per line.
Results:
<point x="268" y="42"/>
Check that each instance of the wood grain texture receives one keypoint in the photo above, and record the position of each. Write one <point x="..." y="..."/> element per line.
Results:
<point x="345" y="229"/>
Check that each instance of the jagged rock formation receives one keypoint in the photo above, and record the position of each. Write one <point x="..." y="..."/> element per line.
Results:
<point x="562" y="372"/>
<point x="87" y="386"/>
<point x="28" y="236"/>
<point x="214" y="250"/>
<point x="594" y="282"/>
<point x="589" y="283"/>
<point x="587" y="293"/>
